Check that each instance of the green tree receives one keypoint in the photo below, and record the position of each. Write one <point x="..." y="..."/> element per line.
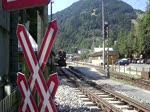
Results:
<point x="148" y="4"/>
<point x="144" y="36"/>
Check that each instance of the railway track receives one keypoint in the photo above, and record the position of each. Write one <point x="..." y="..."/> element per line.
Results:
<point x="142" y="83"/>
<point x="105" y="99"/>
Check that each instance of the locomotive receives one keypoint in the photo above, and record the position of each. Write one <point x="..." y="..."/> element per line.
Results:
<point x="61" y="58"/>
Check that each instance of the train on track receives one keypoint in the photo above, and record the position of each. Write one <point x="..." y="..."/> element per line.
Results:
<point x="61" y="58"/>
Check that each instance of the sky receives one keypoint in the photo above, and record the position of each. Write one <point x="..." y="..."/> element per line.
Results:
<point x="137" y="4"/>
<point x="59" y="5"/>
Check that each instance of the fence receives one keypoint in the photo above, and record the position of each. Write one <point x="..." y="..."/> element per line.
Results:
<point x="134" y="70"/>
<point x="9" y="103"/>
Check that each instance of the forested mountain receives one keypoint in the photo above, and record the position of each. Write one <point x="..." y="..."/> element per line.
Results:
<point x="80" y="25"/>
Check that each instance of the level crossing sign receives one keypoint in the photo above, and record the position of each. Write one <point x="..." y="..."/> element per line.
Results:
<point x="36" y="66"/>
<point x="19" y="4"/>
<point x="26" y="94"/>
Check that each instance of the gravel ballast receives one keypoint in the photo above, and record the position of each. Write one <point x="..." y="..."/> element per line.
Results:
<point x="67" y="100"/>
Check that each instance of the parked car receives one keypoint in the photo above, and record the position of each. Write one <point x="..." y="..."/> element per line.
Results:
<point x="122" y="62"/>
<point x="129" y="60"/>
<point x="141" y="61"/>
<point x="148" y="61"/>
<point x="116" y="61"/>
<point x="136" y="60"/>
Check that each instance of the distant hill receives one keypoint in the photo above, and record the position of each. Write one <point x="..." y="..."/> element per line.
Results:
<point x="80" y="25"/>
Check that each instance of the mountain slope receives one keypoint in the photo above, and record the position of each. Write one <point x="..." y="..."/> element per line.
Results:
<point x="80" y="25"/>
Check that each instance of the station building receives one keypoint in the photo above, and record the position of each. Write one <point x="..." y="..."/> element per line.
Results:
<point x="97" y="56"/>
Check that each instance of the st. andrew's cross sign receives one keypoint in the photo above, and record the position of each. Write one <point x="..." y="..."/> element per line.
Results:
<point x="20" y="4"/>
<point x="36" y="65"/>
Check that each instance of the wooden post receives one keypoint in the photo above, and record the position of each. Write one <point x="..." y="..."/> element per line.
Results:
<point x="42" y="21"/>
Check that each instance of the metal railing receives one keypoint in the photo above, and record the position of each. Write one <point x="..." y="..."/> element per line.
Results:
<point x="134" y="71"/>
<point x="10" y="103"/>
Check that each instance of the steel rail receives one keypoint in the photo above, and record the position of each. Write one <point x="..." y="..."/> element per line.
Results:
<point x="142" y="83"/>
<point x="134" y="103"/>
<point x="107" y="107"/>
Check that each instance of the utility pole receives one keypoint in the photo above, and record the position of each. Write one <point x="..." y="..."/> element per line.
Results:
<point x="51" y="63"/>
<point x="52" y="10"/>
<point x="106" y="35"/>
<point x="42" y="21"/>
<point x="103" y="34"/>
